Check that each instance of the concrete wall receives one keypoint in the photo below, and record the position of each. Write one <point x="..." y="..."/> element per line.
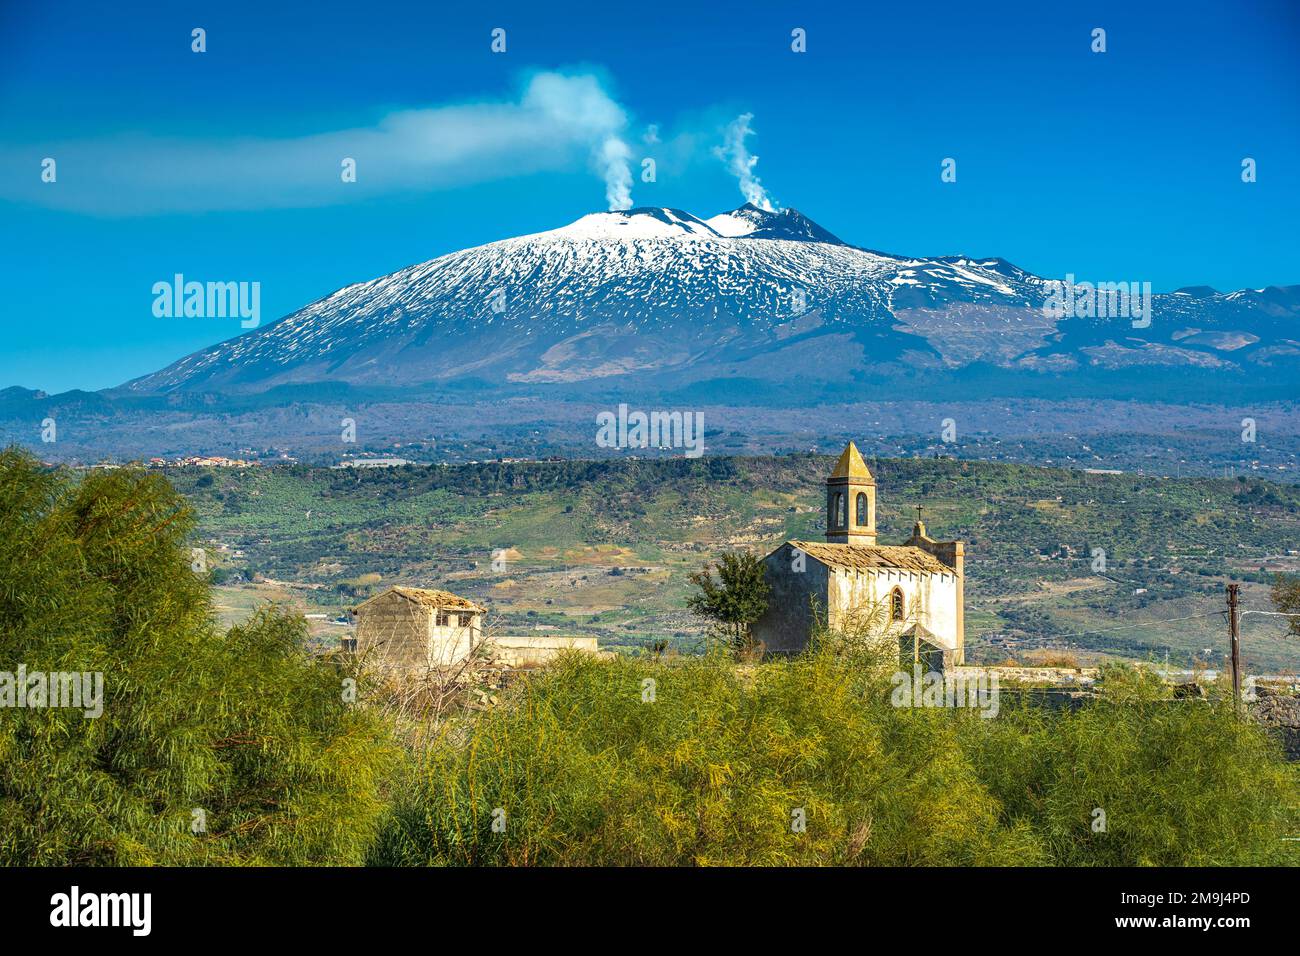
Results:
<point x="786" y="627"/>
<point x="1055" y="676"/>
<point x="453" y="643"/>
<point x="533" y="651"/>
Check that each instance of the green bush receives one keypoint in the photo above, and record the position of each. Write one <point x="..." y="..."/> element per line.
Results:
<point x="245" y="727"/>
<point x="1180" y="782"/>
<point x="711" y="771"/>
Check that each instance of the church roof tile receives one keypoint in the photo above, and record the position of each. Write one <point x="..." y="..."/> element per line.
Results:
<point x="863" y="557"/>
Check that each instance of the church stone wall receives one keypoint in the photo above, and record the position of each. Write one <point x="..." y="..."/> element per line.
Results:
<point x="856" y="591"/>
<point x="787" y="625"/>
<point x="853" y="576"/>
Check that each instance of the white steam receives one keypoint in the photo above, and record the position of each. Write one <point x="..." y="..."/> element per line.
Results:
<point x="741" y="164"/>
<point x="614" y="159"/>
<point x="580" y="106"/>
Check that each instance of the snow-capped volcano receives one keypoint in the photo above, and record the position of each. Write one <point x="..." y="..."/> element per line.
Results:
<point x="644" y="223"/>
<point x="754" y="223"/>
<point x="662" y="295"/>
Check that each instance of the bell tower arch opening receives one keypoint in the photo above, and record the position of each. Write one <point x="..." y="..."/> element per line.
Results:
<point x="851" y="501"/>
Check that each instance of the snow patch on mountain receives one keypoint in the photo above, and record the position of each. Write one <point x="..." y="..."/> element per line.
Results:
<point x="657" y="289"/>
<point x="642" y="223"/>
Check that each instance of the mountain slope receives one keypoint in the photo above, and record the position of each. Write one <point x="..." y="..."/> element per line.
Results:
<point x="660" y="295"/>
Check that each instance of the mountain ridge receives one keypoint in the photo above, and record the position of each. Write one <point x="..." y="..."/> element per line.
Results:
<point x="659" y="294"/>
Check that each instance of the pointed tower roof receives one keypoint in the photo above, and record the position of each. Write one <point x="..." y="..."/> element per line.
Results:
<point x="852" y="467"/>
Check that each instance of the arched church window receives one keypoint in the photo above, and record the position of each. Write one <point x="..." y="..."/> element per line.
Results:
<point x="862" y="510"/>
<point x="896" y="607"/>
<point x="835" y="519"/>
<point x="843" y="511"/>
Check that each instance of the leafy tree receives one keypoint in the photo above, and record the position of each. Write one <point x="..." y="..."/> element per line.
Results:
<point x="208" y="748"/>
<point x="735" y="600"/>
<point x="1286" y="598"/>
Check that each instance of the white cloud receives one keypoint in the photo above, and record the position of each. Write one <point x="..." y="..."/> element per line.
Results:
<point x="560" y="121"/>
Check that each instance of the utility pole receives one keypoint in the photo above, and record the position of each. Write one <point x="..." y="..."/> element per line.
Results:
<point x="916" y="609"/>
<point x="1234" y="632"/>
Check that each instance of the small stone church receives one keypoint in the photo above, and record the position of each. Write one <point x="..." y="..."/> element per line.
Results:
<point x="916" y="587"/>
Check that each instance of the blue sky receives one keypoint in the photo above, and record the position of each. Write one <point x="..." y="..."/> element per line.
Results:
<point x="225" y="165"/>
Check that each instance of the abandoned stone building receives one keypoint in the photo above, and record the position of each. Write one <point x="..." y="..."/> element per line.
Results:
<point x="421" y="629"/>
<point x="913" y="593"/>
<point x="417" y="628"/>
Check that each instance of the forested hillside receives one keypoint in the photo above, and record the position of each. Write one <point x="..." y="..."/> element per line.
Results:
<point x="605" y="547"/>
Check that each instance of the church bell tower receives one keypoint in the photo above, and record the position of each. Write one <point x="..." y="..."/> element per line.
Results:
<point x="851" y="501"/>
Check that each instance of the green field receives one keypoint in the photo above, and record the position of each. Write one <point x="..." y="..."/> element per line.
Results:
<point x="604" y="547"/>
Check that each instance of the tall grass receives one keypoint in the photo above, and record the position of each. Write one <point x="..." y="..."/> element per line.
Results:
<point x="578" y="767"/>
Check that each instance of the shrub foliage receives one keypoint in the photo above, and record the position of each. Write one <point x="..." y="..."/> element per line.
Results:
<point x="580" y="767"/>
<point x="241" y="737"/>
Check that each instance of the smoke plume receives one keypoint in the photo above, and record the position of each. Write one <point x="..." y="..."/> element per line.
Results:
<point x="614" y="160"/>
<point x="740" y="163"/>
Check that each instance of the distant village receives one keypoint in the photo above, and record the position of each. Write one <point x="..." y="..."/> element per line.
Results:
<point x="195" y="461"/>
<point x="219" y="461"/>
